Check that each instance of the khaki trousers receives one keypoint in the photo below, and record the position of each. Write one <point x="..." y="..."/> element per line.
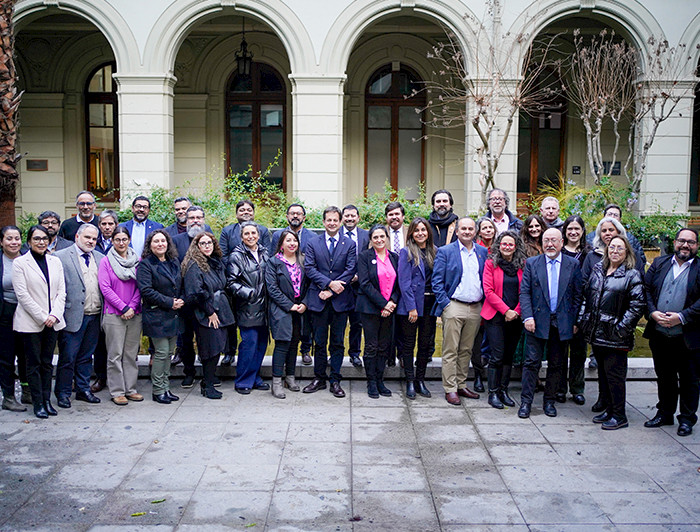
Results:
<point x="460" y="325"/>
<point x="123" y="338"/>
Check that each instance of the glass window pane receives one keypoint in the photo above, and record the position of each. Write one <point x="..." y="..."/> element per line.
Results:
<point x="407" y="83"/>
<point x="524" y="136"/>
<point x="242" y="84"/>
<point x="241" y="150"/>
<point x="269" y="82"/>
<point x="102" y="80"/>
<point x="409" y="118"/>
<point x="271" y="116"/>
<point x="410" y="161"/>
<point x="271" y="143"/>
<point x="379" y="116"/>
<point x="101" y="160"/>
<point x="241" y="116"/>
<point x="548" y="158"/>
<point x="378" y="159"/>
<point x="101" y="114"/>
<point x="381" y="85"/>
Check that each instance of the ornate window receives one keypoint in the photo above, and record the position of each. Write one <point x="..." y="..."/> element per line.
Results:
<point x="394" y="149"/>
<point x="101" y="133"/>
<point x="255" y="130"/>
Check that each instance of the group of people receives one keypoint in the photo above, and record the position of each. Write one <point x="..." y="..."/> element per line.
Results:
<point x="498" y="284"/>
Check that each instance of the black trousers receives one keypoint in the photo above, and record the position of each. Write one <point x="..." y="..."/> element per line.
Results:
<point x="424" y="328"/>
<point x="322" y="322"/>
<point x="577" y="361"/>
<point x="377" y="334"/>
<point x="39" y="348"/>
<point x="285" y="354"/>
<point x="503" y="339"/>
<point x="612" y="374"/>
<point x="186" y="341"/>
<point x="678" y="376"/>
<point x="10" y="349"/>
<point x="355" y="334"/>
<point x="99" y="359"/>
<point x="306" y="340"/>
<point x="556" y="349"/>
<point x="477" y="360"/>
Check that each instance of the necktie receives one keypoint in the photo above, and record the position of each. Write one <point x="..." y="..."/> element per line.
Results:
<point x="331" y="247"/>
<point x="553" y="286"/>
<point x="351" y="236"/>
<point x="86" y="258"/>
<point x="397" y="241"/>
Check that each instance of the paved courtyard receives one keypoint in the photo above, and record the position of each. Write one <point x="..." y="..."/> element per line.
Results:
<point x="314" y="462"/>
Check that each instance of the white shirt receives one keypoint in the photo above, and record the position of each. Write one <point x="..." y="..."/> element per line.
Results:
<point x="138" y="237"/>
<point x="352" y="235"/>
<point x="679" y="268"/>
<point x="469" y="289"/>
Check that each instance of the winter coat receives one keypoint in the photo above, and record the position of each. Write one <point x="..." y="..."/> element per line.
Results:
<point x="159" y="284"/>
<point x="245" y="283"/>
<point x="204" y="292"/>
<point x="281" y="298"/>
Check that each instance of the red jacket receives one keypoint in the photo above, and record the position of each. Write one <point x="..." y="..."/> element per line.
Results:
<point x="493" y="291"/>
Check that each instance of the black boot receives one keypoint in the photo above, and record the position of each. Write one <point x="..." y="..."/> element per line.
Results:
<point x="421" y="388"/>
<point x="506" y="399"/>
<point x="208" y="379"/>
<point x="370" y="371"/>
<point x="478" y="382"/>
<point x="381" y="364"/>
<point x="410" y="390"/>
<point x="40" y="410"/>
<point x="494" y="401"/>
<point x="494" y="379"/>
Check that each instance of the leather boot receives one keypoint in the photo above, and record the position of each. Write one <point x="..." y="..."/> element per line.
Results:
<point x="26" y="397"/>
<point x="10" y="403"/>
<point x="494" y="379"/>
<point x="478" y="382"/>
<point x="278" y="388"/>
<point x="381" y="364"/>
<point x="494" y="401"/>
<point x="370" y="365"/>
<point x="291" y="383"/>
<point x="410" y="390"/>
<point x="421" y="388"/>
<point x="503" y="391"/>
<point x="40" y="411"/>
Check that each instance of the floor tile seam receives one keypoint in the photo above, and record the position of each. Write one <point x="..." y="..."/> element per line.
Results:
<point x="352" y="461"/>
<point x="277" y="475"/>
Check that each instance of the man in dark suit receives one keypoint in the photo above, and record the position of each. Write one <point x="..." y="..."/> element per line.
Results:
<point x="550" y="298"/>
<point x="51" y="221"/>
<point x="330" y="264"/>
<point x="85" y="202"/>
<point x="180" y="206"/>
<point x="672" y="287"/>
<point x="231" y="234"/>
<point x="140" y="226"/>
<point x="457" y="282"/>
<point x="77" y="341"/>
<point x="360" y="237"/>
<point x="109" y="220"/>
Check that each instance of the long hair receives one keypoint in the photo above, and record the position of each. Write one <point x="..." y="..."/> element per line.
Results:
<point x="485" y="220"/>
<point x="170" y="253"/>
<point x="597" y="241"/>
<point x="283" y="235"/>
<point x="630" y="257"/>
<point x="571" y="219"/>
<point x="532" y="247"/>
<point x="519" y="255"/>
<point x="195" y="255"/>
<point x="414" y="254"/>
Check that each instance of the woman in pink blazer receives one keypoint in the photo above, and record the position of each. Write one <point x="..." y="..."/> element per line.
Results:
<point x="503" y="273"/>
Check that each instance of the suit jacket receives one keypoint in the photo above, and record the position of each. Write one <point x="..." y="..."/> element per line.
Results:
<point x="231" y="238"/>
<point x="280" y="293"/>
<point x="321" y="269"/>
<point x="182" y="244"/>
<point x="653" y="282"/>
<point x="447" y="272"/>
<point x="75" y="295"/>
<point x="70" y="226"/>
<point x="362" y="238"/>
<point x="411" y="284"/>
<point x="370" y="300"/>
<point x="103" y="246"/>
<point x="534" y="295"/>
<point x="493" y="291"/>
<point x="173" y="230"/>
<point x="159" y="284"/>
<point x="305" y="236"/>
<point x="34" y="302"/>
<point x="150" y="227"/>
<point x="404" y="230"/>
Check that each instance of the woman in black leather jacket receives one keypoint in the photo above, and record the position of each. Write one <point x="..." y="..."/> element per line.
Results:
<point x="245" y="281"/>
<point x="614" y="302"/>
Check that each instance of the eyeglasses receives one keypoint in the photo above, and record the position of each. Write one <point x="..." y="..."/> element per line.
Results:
<point x="49" y="222"/>
<point x="85" y="203"/>
<point x="497" y="198"/>
<point x="40" y="239"/>
<point x="120" y="240"/>
<point x="205" y="243"/>
<point x="616" y="248"/>
<point x="551" y="240"/>
<point x="682" y="241"/>
<point x="507" y="245"/>
<point x="141" y="207"/>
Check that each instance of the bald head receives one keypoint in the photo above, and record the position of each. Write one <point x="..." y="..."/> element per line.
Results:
<point x="552" y="242"/>
<point x="466" y="231"/>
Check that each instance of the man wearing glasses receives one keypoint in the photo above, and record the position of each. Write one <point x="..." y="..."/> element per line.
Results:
<point x="140" y="226"/>
<point x="497" y="205"/>
<point x="673" y="302"/>
<point x="51" y="221"/>
<point x="85" y="201"/>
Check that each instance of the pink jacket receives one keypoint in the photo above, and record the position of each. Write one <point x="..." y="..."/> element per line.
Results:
<point x="493" y="291"/>
<point x="118" y="294"/>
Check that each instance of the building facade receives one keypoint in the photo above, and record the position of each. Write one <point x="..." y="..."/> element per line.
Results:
<point x="121" y="95"/>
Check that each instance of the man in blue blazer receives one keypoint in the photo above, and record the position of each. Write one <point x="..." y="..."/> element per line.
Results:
<point x="360" y="237"/>
<point x="330" y="264"/>
<point x="231" y="234"/>
<point x="550" y="297"/>
<point x="457" y="282"/>
<point x="140" y="226"/>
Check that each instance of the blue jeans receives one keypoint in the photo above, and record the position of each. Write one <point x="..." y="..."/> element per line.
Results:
<point x="321" y="323"/>
<point x="251" y="352"/>
<point x="75" y="350"/>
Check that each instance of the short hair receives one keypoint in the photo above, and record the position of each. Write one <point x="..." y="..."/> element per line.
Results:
<point x="141" y="198"/>
<point x="84" y="227"/>
<point x="182" y="198"/>
<point x="110" y="213"/>
<point x="630" y="257"/>
<point x="331" y="209"/>
<point x="376" y="227"/>
<point x="550" y="198"/>
<point x="488" y="198"/>
<point x="351" y="207"/>
<point x="121" y="229"/>
<point x="193" y="208"/>
<point x="678" y="233"/>
<point x="170" y="253"/>
<point x="392" y="205"/>
<point x="249" y="223"/>
<point x="34" y="228"/>
<point x="245" y="202"/>
<point x="48" y="214"/>
<point x="297" y="205"/>
<point x="442" y="191"/>
<point x="7" y="228"/>
<point x="612" y="206"/>
<point x="85" y="192"/>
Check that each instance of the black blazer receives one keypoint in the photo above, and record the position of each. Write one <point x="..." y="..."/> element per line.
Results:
<point x="182" y="244"/>
<point x="205" y="292"/>
<point x="159" y="284"/>
<point x="653" y="282"/>
<point x="369" y="299"/>
<point x="280" y="293"/>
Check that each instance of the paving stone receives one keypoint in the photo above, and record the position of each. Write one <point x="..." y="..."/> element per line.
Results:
<point x="379" y="454"/>
<point x="317" y="453"/>
<point x="405" y="477"/>
<point x="307" y="431"/>
<point x="410" y="511"/>
<point x="525" y="432"/>
<point x="473" y="478"/>
<point x="239" y="509"/>
<point x="527" y="454"/>
<point x="55" y="508"/>
<point x="239" y="477"/>
<point x="122" y="504"/>
<point x="477" y="509"/>
<point x="541" y="478"/>
<point x="560" y="508"/>
<point x="630" y="508"/>
<point x="367" y="414"/>
<point x="310" y="510"/>
<point x="305" y="477"/>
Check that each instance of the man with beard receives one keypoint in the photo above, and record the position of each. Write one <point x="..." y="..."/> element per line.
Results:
<point x="497" y="205"/>
<point x="442" y="220"/>
<point x="231" y="234"/>
<point x="85" y="202"/>
<point x="51" y="221"/>
<point x="107" y="224"/>
<point x="195" y="225"/>
<point x="673" y="301"/>
<point x="180" y="206"/>
<point x="394" y="213"/>
<point x="140" y="226"/>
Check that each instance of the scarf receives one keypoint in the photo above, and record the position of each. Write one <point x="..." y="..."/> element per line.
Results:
<point x="442" y="222"/>
<point x="508" y="267"/>
<point x="124" y="268"/>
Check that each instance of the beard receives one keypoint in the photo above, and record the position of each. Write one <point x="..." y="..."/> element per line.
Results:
<point x="442" y="211"/>
<point x="683" y="255"/>
<point x="194" y="230"/>
<point x="295" y="223"/>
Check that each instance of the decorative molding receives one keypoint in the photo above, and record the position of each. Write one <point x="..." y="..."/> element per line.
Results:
<point x="587" y="4"/>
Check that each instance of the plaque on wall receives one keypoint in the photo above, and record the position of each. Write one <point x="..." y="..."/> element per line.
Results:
<point x="37" y="165"/>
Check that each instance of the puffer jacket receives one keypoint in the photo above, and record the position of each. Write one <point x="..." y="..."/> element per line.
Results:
<point x="613" y="304"/>
<point x="245" y="281"/>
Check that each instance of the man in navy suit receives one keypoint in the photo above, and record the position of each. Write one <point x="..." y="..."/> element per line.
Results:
<point x="457" y="282"/>
<point x="140" y="226"/>
<point x="231" y="234"/>
<point x="360" y="237"/>
<point x="550" y="297"/>
<point x="330" y="264"/>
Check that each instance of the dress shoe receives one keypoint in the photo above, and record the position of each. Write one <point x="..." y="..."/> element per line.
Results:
<point x="602" y="417"/>
<point x="336" y="390"/>
<point x="217" y="382"/>
<point x="684" y="429"/>
<point x="410" y="390"/>
<point x="188" y="381"/>
<point x="382" y="389"/>
<point x="599" y="406"/>
<point x="592" y="363"/>
<point x="466" y="392"/>
<point x="658" y="421"/>
<point x="50" y="410"/>
<point x="422" y="389"/>
<point x="177" y="358"/>
<point x="212" y="393"/>
<point x="478" y="383"/>
<point x="524" y="411"/>
<point x="356" y="361"/>
<point x="260" y="386"/>
<point x="453" y="398"/>
<point x="11" y="404"/>
<point x="579" y="399"/>
<point x="228" y="360"/>
<point x="391" y="362"/>
<point x="98" y="386"/>
<point x="494" y="401"/>
<point x="88" y="397"/>
<point x="120" y="400"/>
<point x="306" y="359"/>
<point x="506" y="399"/>
<point x="315" y="385"/>
<point x="63" y="402"/>
<point x="242" y="391"/>
<point x="40" y="411"/>
<point x="172" y="396"/>
<point x="162" y="398"/>
<point x="560" y="397"/>
<point x="136" y="397"/>
<point x="549" y="409"/>
<point x="614" y="424"/>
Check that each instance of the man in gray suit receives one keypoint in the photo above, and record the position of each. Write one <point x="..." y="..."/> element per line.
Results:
<point x="77" y="342"/>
